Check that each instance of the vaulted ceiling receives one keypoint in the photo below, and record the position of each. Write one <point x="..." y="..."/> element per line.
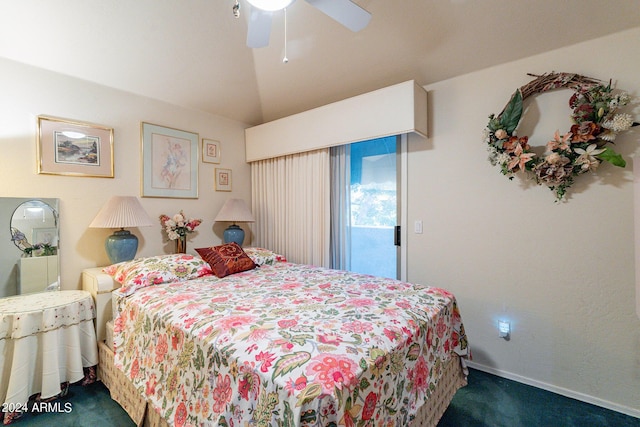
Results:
<point x="193" y="53"/>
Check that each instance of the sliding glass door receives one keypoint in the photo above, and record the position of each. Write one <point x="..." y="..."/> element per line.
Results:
<point x="365" y="207"/>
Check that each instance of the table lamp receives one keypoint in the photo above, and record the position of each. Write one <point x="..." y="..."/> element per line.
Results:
<point x="234" y="210"/>
<point x="120" y="212"/>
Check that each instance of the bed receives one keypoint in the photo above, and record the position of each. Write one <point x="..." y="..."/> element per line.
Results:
<point x="277" y="344"/>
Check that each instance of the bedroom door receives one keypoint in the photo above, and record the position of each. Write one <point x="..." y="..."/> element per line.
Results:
<point x="365" y="205"/>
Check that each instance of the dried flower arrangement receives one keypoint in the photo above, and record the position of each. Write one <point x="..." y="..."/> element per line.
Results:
<point x="596" y="122"/>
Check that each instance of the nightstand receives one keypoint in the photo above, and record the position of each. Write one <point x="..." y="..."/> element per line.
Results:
<point x="100" y="285"/>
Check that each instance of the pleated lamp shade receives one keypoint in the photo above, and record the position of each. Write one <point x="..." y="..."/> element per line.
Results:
<point x="120" y="212"/>
<point x="234" y="210"/>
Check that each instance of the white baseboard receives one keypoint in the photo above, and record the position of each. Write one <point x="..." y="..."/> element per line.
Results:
<point x="558" y="390"/>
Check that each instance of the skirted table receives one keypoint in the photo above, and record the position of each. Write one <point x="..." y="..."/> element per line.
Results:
<point x="46" y="339"/>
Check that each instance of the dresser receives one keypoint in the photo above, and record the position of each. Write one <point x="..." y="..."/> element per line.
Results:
<point x="46" y="339"/>
<point x="37" y="273"/>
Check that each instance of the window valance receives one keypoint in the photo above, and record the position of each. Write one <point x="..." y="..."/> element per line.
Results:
<point x="393" y="110"/>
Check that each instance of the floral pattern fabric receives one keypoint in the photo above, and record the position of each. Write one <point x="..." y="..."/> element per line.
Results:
<point x="287" y="345"/>
<point x="262" y="256"/>
<point x="143" y="272"/>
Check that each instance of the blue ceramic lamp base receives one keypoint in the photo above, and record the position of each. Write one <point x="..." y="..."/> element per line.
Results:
<point x="234" y="234"/>
<point x="121" y="246"/>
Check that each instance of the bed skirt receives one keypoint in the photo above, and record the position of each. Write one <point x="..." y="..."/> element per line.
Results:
<point x="452" y="379"/>
<point x="143" y="414"/>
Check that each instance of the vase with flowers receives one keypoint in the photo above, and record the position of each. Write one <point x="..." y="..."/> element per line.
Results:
<point x="177" y="227"/>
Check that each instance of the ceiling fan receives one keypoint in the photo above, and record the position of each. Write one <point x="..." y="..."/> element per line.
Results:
<point x="345" y="12"/>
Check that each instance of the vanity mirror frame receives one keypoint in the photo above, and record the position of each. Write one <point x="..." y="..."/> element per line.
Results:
<point x="24" y="266"/>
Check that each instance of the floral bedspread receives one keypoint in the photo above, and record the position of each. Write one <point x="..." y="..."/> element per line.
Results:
<point x="287" y="345"/>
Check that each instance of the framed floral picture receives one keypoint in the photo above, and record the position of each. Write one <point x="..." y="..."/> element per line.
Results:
<point x="169" y="162"/>
<point x="223" y="179"/>
<point x="67" y="147"/>
<point x="48" y="235"/>
<point x="210" y="151"/>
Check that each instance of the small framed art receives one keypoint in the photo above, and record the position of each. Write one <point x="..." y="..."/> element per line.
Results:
<point x="48" y="235"/>
<point x="223" y="179"/>
<point x="67" y="147"/>
<point x="210" y="151"/>
<point x="169" y="162"/>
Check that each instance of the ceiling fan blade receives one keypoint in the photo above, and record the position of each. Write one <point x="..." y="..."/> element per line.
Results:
<point x="259" y="28"/>
<point x="345" y="12"/>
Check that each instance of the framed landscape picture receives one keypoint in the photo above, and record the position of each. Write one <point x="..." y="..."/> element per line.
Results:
<point x="67" y="147"/>
<point x="169" y="162"/>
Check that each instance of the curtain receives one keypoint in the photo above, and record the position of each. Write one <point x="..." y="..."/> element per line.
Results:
<point x="340" y="245"/>
<point x="291" y="199"/>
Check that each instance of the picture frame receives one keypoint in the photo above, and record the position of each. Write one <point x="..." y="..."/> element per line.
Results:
<point x="69" y="147"/>
<point x="223" y="179"/>
<point x="48" y="235"/>
<point x="210" y="151"/>
<point x="169" y="162"/>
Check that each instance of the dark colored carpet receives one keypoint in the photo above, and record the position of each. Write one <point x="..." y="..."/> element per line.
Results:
<point x="89" y="406"/>
<point x="488" y="400"/>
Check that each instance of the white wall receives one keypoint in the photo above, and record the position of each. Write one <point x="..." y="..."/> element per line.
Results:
<point x="562" y="274"/>
<point x="28" y="92"/>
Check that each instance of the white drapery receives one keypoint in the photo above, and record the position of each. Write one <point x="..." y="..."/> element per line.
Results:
<point x="291" y="205"/>
<point x="340" y="207"/>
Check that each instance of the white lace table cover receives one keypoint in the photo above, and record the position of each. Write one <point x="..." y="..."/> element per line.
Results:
<point x="45" y="339"/>
<point x="24" y="315"/>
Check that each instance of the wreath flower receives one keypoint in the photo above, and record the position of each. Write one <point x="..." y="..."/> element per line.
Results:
<point x="596" y="123"/>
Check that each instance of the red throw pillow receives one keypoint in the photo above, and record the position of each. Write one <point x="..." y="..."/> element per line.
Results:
<point x="226" y="259"/>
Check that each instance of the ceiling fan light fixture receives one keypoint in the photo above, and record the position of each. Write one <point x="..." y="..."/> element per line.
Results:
<point x="270" y="5"/>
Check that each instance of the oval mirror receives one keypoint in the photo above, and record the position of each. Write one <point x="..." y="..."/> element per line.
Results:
<point x="34" y="231"/>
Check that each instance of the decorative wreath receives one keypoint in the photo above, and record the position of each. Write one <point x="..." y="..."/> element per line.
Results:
<point x="595" y="126"/>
